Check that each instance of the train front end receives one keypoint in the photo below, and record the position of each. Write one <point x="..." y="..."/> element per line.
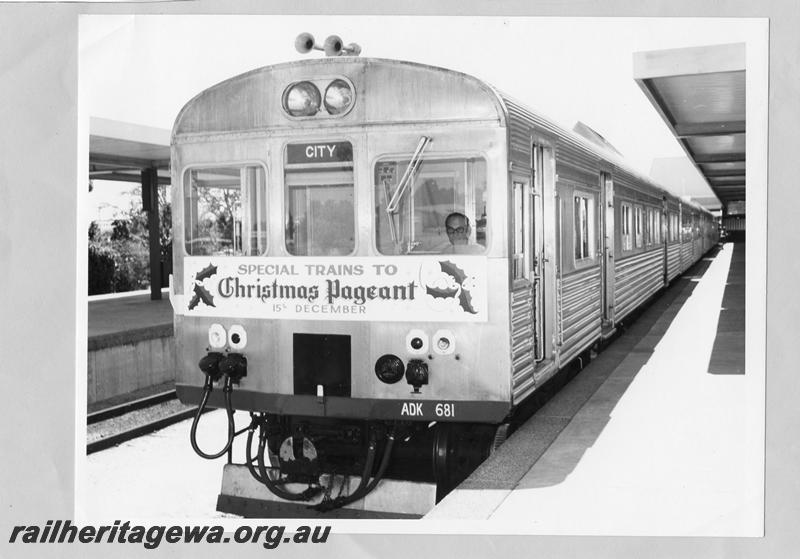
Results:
<point x="340" y="266"/>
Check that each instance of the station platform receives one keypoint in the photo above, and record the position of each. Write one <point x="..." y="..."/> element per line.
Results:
<point x="123" y="318"/>
<point x="130" y="347"/>
<point x="661" y="434"/>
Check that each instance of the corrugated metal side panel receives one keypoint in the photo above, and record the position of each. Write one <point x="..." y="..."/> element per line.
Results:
<point x="521" y="339"/>
<point x="687" y="258"/>
<point x="580" y="305"/>
<point x="637" y="278"/>
<point x="628" y="180"/>
<point x="521" y="122"/>
<point x="519" y="136"/>
<point x="673" y="260"/>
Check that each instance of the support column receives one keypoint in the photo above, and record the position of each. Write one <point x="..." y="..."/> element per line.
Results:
<point x="150" y="205"/>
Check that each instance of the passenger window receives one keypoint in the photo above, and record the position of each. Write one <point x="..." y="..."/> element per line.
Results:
<point x="638" y="226"/>
<point x="651" y="227"/>
<point x="319" y="194"/>
<point x="625" y="227"/>
<point x="519" y="248"/>
<point x="657" y="226"/>
<point x="584" y="226"/>
<point x="225" y="211"/>
<point x="442" y="210"/>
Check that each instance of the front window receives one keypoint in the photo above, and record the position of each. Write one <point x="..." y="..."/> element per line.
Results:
<point x="320" y="209"/>
<point x="225" y="210"/>
<point x="443" y="210"/>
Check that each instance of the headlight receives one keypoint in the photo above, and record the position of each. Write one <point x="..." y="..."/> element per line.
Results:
<point x="302" y="99"/>
<point x="389" y="368"/>
<point x="338" y="97"/>
<point x="237" y="337"/>
<point x="217" y="337"/>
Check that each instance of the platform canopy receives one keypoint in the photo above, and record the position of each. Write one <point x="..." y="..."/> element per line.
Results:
<point x="700" y="94"/>
<point x="120" y="151"/>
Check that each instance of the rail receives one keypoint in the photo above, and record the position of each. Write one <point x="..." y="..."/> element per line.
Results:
<point x="139" y="430"/>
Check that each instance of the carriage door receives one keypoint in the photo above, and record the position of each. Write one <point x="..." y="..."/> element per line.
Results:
<point x="663" y="229"/>
<point x="607" y="251"/>
<point x="538" y="261"/>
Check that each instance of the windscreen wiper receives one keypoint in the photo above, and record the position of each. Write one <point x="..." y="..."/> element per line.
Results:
<point x="407" y="179"/>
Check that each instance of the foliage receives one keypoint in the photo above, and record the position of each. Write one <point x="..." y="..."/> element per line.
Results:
<point x="119" y="259"/>
<point x="101" y="268"/>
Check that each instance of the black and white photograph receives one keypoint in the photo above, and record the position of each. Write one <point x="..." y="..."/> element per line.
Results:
<point x="425" y="276"/>
<point x="428" y="282"/>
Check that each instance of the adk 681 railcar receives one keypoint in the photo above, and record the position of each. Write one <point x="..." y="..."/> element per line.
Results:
<point x="381" y="260"/>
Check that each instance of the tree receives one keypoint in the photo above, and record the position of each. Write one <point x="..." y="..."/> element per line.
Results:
<point x="120" y="261"/>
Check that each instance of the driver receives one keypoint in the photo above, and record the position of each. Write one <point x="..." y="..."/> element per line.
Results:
<point x="458" y="232"/>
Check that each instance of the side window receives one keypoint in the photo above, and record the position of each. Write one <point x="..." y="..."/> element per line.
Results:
<point x="625" y="226"/>
<point x="225" y="210"/>
<point x="518" y="256"/>
<point x="583" y="219"/>
<point x="638" y="226"/>
<point x="657" y="226"/>
<point x="651" y="231"/>
<point x="674" y="228"/>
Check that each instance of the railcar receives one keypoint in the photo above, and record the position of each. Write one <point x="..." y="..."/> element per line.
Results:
<point x="381" y="261"/>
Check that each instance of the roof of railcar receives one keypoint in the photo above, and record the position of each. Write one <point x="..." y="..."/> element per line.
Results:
<point x="434" y="93"/>
<point x="252" y="101"/>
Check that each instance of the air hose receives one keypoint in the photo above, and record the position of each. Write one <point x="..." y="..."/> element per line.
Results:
<point x="264" y="478"/>
<point x="233" y="367"/>
<point x="226" y="390"/>
<point x="363" y="488"/>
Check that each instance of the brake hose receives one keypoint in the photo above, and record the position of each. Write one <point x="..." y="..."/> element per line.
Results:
<point x="363" y="488"/>
<point x="208" y="386"/>
<point x="305" y="495"/>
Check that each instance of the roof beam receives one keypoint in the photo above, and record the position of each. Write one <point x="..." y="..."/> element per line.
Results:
<point x="719" y="158"/>
<point x="119" y="160"/>
<point x="724" y="173"/>
<point x="709" y="129"/>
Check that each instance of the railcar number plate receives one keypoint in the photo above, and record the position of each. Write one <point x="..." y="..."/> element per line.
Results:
<point x="431" y="410"/>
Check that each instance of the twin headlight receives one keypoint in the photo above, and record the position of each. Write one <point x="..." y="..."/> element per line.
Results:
<point x="235" y="337"/>
<point x="303" y="98"/>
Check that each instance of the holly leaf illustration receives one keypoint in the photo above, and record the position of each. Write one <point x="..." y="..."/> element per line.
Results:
<point x="453" y="271"/>
<point x="206" y="272"/>
<point x="437" y="293"/>
<point x="465" y="300"/>
<point x="204" y="295"/>
<point x="195" y="300"/>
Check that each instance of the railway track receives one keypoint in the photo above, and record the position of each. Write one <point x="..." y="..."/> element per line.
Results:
<point x="144" y="424"/>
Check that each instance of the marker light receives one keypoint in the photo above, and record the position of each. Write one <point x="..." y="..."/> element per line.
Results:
<point x="217" y="336"/>
<point x="302" y="99"/>
<point x="417" y="342"/>
<point x="444" y="342"/>
<point x="237" y="337"/>
<point x="389" y="368"/>
<point x="338" y="97"/>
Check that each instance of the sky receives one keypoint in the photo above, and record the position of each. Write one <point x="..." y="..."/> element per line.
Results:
<point x="143" y="69"/>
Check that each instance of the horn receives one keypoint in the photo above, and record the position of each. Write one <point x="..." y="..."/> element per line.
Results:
<point x="305" y="43"/>
<point x="352" y="49"/>
<point x="333" y="46"/>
